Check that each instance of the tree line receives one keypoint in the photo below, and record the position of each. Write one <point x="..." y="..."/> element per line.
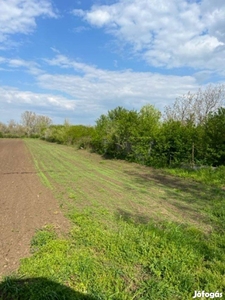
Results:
<point x="32" y="125"/>
<point x="190" y="131"/>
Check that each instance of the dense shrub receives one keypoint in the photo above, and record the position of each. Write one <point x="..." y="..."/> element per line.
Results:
<point x="144" y="138"/>
<point x="79" y="135"/>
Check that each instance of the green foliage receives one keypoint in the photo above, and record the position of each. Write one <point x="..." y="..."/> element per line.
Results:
<point x="69" y="135"/>
<point x="175" y="142"/>
<point x="149" y="118"/>
<point x="192" y="132"/>
<point x="132" y="261"/>
<point x="127" y="134"/>
<point x="142" y="137"/>
<point x="207" y="175"/>
<point x="215" y="137"/>
<point x="42" y="237"/>
<point x="114" y="131"/>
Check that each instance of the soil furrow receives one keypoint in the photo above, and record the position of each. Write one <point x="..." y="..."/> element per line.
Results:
<point x="26" y="205"/>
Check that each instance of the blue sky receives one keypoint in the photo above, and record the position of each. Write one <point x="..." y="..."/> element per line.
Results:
<point x="78" y="59"/>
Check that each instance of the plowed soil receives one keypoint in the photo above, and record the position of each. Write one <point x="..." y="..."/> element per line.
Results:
<point x="25" y="204"/>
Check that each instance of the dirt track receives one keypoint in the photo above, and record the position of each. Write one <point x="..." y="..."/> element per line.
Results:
<point x="25" y="204"/>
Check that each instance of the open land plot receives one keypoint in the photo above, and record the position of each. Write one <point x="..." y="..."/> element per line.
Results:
<point x="87" y="181"/>
<point x="137" y="233"/>
<point x="25" y="204"/>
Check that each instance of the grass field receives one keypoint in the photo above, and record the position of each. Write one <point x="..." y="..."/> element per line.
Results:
<point x="137" y="233"/>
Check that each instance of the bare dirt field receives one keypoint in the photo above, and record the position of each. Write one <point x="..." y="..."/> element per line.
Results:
<point x="25" y="204"/>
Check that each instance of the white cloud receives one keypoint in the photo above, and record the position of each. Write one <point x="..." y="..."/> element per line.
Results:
<point x="166" y="33"/>
<point x="79" y="12"/>
<point x="14" y="101"/>
<point x="108" y="89"/>
<point x="17" y="97"/>
<point x="18" y="16"/>
<point x="213" y="16"/>
<point x="203" y="76"/>
<point x="80" y="29"/>
<point x="100" y="18"/>
<point x="90" y="91"/>
<point x="15" y="63"/>
<point x="64" y="62"/>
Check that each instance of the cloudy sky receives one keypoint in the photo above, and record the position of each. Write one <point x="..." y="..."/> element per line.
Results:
<point x="79" y="59"/>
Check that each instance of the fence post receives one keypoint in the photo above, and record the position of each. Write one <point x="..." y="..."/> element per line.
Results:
<point x="193" y="155"/>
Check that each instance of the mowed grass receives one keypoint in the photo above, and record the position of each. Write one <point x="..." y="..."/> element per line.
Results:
<point x="136" y="232"/>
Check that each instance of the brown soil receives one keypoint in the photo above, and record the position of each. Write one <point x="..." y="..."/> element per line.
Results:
<point x="25" y="204"/>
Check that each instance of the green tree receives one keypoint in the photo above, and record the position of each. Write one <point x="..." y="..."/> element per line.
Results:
<point x="149" y="120"/>
<point x="146" y="133"/>
<point x="114" y="132"/>
<point x="174" y="143"/>
<point x="215" y="137"/>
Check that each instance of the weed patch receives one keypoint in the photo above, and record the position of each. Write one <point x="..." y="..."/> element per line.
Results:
<point x="207" y="175"/>
<point x="131" y="261"/>
<point x="42" y="237"/>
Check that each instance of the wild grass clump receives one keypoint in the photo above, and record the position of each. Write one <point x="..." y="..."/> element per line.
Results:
<point x="130" y="261"/>
<point x="42" y="237"/>
<point x="207" y="175"/>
